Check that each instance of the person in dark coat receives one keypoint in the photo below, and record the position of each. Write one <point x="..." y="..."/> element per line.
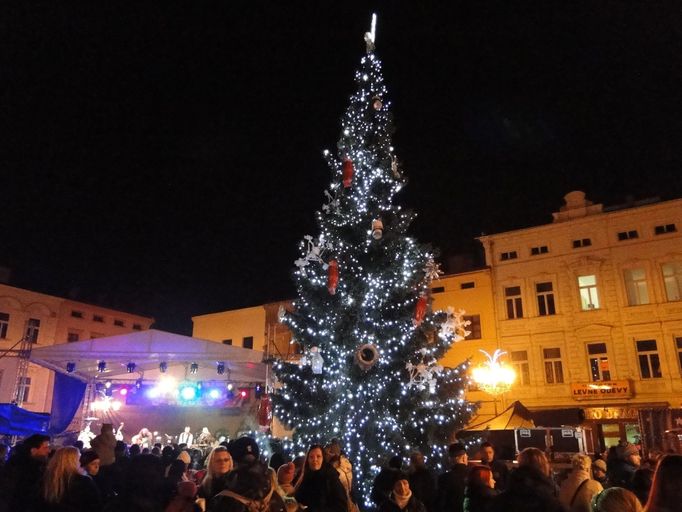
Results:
<point x="480" y="490"/>
<point x="383" y="483"/>
<point x="22" y="476"/>
<point x="422" y="481"/>
<point x="64" y="488"/>
<point x="621" y="469"/>
<point x="319" y="487"/>
<point x="530" y="487"/>
<point x="498" y="467"/>
<point x="452" y="483"/>
<point x="402" y="499"/>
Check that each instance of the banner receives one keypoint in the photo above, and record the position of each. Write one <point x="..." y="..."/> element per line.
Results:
<point x="601" y="390"/>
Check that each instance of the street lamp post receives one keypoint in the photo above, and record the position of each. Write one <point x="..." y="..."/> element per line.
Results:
<point x="494" y="377"/>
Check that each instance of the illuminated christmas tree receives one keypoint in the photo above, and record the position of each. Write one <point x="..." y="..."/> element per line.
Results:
<point x="369" y="373"/>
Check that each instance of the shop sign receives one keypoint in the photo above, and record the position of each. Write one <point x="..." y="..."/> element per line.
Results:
<point x="524" y="432"/>
<point x="566" y="432"/>
<point x="601" y="390"/>
<point x="611" y="413"/>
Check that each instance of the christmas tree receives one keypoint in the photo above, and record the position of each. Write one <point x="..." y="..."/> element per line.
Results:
<point x="369" y="374"/>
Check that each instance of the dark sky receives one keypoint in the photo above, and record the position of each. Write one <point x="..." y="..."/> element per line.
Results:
<point x="165" y="158"/>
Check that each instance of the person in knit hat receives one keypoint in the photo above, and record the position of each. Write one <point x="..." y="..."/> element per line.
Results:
<point x="402" y="499"/>
<point x="285" y="478"/>
<point x="621" y="470"/>
<point x="578" y="489"/>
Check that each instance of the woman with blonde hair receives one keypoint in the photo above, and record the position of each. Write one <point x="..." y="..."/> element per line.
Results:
<point x="578" y="489"/>
<point x="218" y="466"/>
<point x="616" y="499"/>
<point x="666" y="490"/>
<point x="65" y="487"/>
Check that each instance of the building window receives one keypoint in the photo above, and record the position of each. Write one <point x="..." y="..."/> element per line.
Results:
<point x="672" y="277"/>
<point x="542" y="249"/>
<point x="665" y="228"/>
<point x="247" y="342"/>
<point x="32" y="330"/>
<point x="119" y="323"/>
<point x="627" y="235"/>
<point x="512" y="297"/>
<point x="678" y="344"/>
<point x="649" y="362"/>
<point x="137" y="327"/>
<point x="76" y="314"/>
<point x="23" y="393"/>
<point x="468" y="285"/>
<point x="519" y="360"/>
<point x="474" y="327"/>
<point x="511" y="255"/>
<point x="227" y="341"/>
<point x="554" y="370"/>
<point x="97" y="318"/>
<point x="599" y="362"/>
<point x="545" y="295"/>
<point x="73" y="336"/>
<point x="438" y="289"/>
<point x="4" y="325"/>
<point x="635" y="286"/>
<point x="582" y="242"/>
<point x="589" y="298"/>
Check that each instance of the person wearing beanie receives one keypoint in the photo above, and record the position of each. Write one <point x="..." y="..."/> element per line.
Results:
<point x="402" y="499"/>
<point x="285" y="478"/>
<point x="90" y="462"/>
<point x="599" y="471"/>
<point x="104" y="444"/>
<point x="621" y="470"/>
<point x="452" y="483"/>
<point x="578" y="489"/>
<point x="244" y="450"/>
<point x="383" y="482"/>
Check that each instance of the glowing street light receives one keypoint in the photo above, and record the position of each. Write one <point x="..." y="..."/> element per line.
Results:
<point x="494" y="377"/>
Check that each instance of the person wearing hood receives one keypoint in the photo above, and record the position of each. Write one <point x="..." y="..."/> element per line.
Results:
<point x="333" y="456"/>
<point x="104" y="444"/>
<point x="402" y="499"/>
<point x="578" y="489"/>
<point x="530" y="487"/>
<point x="319" y="487"/>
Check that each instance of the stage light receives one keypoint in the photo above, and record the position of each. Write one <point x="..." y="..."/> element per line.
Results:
<point x="108" y="392"/>
<point x="259" y="390"/>
<point x="123" y="391"/>
<point x="200" y="385"/>
<point x="243" y="393"/>
<point x="138" y="383"/>
<point x="214" y="394"/>
<point x="130" y="367"/>
<point x="101" y="366"/>
<point x="193" y="368"/>
<point x="230" y="386"/>
<point x="167" y="385"/>
<point x="116" y="405"/>
<point x="163" y="366"/>
<point x="220" y="368"/>
<point x="154" y="392"/>
<point x="70" y="367"/>
<point x="188" y="392"/>
<point x="107" y="384"/>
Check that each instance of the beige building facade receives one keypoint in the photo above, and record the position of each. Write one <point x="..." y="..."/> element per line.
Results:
<point x="48" y="320"/>
<point x="589" y="310"/>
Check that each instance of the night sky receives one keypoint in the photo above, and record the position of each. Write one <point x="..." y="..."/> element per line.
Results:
<point x="165" y="158"/>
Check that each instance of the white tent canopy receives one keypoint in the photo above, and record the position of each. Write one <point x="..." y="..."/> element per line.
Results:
<point x="146" y="349"/>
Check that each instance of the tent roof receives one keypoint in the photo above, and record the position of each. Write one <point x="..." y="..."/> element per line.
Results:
<point x="514" y="416"/>
<point x="147" y="349"/>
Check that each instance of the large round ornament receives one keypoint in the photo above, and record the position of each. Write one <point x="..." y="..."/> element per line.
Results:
<point x="366" y="356"/>
<point x="376" y="103"/>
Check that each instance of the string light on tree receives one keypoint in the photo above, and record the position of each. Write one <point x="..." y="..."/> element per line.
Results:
<point x="363" y="302"/>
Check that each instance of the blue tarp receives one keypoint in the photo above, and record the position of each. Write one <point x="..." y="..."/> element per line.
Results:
<point x="66" y="399"/>
<point x="15" y="421"/>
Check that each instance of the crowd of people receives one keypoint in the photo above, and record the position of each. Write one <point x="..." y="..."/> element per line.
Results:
<point x="114" y="477"/>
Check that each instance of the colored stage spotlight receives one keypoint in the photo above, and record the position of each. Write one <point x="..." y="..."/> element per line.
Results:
<point x="123" y="391"/>
<point x="214" y="394"/>
<point x="130" y="367"/>
<point x="188" y="392"/>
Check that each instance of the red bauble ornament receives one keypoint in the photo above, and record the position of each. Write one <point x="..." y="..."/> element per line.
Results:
<point x="332" y="276"/>
<point x="420" y="311"/>
<point x="348" y="172"/>
<point x="265" y="412"/>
